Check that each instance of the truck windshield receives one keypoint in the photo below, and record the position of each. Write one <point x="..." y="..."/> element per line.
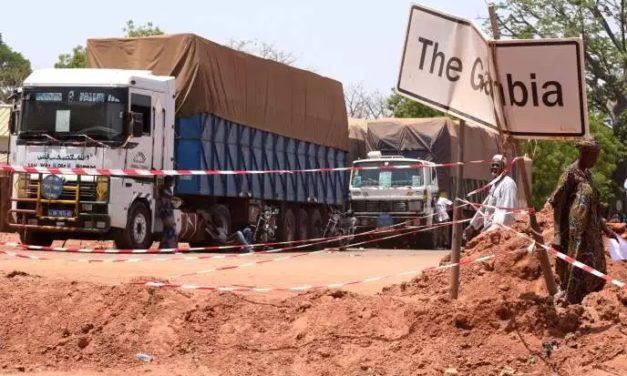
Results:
<point x="71" y="112"/>
<point x="382" y="178"/>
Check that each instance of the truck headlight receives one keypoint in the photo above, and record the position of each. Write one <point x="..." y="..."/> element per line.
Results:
<point x="415" y="205"/>
<point x="102" y="188"/>
<point x="22" y="185"/>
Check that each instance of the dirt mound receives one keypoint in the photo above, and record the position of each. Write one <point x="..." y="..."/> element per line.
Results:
<point x="503" y="324"/>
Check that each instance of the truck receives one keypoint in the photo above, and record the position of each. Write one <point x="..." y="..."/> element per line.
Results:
<point x="176" y="102"/>
<point x="380" y="195"/>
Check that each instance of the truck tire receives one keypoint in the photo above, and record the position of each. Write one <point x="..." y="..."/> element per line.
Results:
<point x="138" y="231"/>
<point x="302" y="228"/>
<point x="288" y="226"/>
<point x="425" y="240"/>
<point x="42" y="239"/>
<point x="221" y="218"/>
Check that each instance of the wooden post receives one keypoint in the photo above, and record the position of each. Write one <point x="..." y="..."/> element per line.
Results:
<point x="456" y="236"/>
<point x="537" y="234"/>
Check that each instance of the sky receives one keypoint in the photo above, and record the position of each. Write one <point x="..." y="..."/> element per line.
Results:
<point x="348" y="40"/>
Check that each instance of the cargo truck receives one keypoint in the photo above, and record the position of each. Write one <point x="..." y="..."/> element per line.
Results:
<point x="176" y="102"/>
<point x="385" y="196"/>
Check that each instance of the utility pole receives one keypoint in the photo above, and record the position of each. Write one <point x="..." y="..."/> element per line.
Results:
<point x="537" y="234"/>
<point x="457" y="213"/>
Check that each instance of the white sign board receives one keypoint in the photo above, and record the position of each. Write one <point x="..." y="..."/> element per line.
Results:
<point x="448" y="64"/>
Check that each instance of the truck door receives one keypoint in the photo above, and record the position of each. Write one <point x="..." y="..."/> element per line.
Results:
<point x="140" y="151"/>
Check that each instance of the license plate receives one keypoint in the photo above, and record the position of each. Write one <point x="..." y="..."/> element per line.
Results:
<point x="384" y="220"/>
<point x="60" y="213"/>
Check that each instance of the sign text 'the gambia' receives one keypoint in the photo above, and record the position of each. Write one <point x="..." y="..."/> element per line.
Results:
<point x="447" y="64"/>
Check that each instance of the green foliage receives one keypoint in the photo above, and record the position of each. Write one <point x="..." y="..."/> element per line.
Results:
<point x="403" y="107"/>
<point x="603" y="25"/>
<point x="76" y="59"/>
<point x="552" y="157"/>
<point x="133" y="31"/>
<point x="14" y="68"/>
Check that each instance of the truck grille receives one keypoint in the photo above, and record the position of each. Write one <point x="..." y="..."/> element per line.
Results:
<point x="87" y="191"/>
<point x="379" y="206"/>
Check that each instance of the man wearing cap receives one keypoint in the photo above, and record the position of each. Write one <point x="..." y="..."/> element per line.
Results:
<point x="169" y="238"/>
<point x="579" y="226"/>
<point x="501" y="199"/>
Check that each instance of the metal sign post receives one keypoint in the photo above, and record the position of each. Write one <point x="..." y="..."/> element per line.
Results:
<point x="457" y="214"/>
<point x="537" y="234"/>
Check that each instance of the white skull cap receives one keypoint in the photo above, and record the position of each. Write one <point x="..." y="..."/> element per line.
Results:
<point x="499" y="159"/>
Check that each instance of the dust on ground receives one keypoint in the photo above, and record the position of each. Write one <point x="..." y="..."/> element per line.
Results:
<point x="503" y="324"/>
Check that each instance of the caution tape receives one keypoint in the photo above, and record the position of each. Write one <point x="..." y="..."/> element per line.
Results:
<point x="301" y="288"/>
<point x="186" y="249"/>
<point x="144" y="173"/>
<point x="216" y="257"/>
<point x="151" y="251"/>
<point x="284" y="258"/>
<point x="572" y="261"/>
<point x="564" y="257"/>
<point x="477" y="205"/>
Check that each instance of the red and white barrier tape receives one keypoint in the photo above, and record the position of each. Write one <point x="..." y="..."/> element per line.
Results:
<point x="563" y="256"/>
<point x="215" y="257"/>
<point x="187" y="249"/>
<point x="572" y="261"/>
<point x="265" y="261"/>
<point x="463" y="262"/>
<point x="184" y="249"/>
<point x="142" y="172"/>
<point x="477" y="205"/>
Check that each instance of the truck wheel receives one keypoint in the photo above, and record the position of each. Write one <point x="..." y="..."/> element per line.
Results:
<point x="41" y="239"/>
<point x="288" y="226"/>
<point x="425" y="240"/>
<point x="303" y="224"/>
<point x="316" y="226"/>
<point x="138" y="231"/>
<point x="221" y="218"/>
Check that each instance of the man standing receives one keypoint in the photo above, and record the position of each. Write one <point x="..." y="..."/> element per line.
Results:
<point x="442" y="233"/>
<point x="169" y="238"/>
<point x="579" y="225"/>
<point x="499" y="203"/>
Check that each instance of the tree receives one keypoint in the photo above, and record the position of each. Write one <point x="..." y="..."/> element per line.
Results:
<point x="603" y="25"/>
<point x="78" y="57"/>
<point x="133" y="31"/>
<point x="403" y="107"/>
<point x="365" y="105"/>
<point x="552" y="157"/>
<point x="264" y="50"/>
<point x="14" y="68"/>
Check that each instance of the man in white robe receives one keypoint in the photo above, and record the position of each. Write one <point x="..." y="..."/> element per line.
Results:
<point x="499" y="204"/>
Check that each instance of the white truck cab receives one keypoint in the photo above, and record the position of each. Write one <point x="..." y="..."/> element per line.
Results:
<point x="382" y="194"/>
<point x="91" y="118"/>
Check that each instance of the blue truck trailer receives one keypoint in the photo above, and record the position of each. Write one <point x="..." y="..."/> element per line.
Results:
<point x="185" y="103"/>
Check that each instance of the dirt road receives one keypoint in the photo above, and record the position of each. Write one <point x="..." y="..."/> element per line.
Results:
<point x="63" y="317"/>
<point x="323" y="267"/>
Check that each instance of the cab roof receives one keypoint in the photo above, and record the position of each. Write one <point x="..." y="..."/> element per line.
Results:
<point x="98" y="77"/>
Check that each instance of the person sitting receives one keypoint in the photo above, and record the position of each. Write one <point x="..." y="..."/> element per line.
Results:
<point x="497" y="207"/>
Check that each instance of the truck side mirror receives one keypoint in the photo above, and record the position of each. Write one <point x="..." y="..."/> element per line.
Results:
<point x="138" y="124"/>
<point x="134" y="123"/>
